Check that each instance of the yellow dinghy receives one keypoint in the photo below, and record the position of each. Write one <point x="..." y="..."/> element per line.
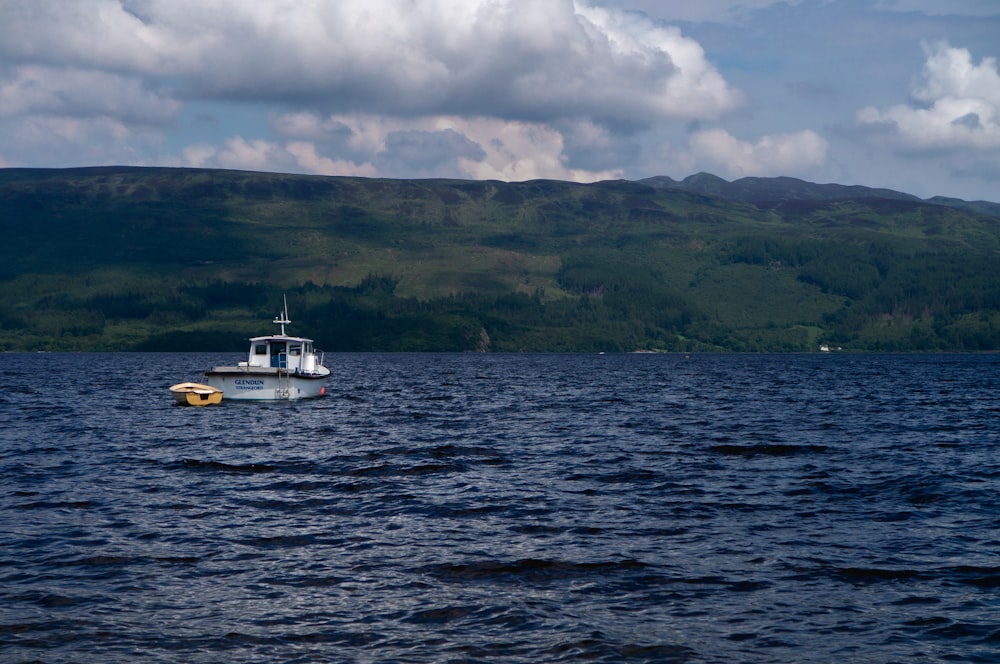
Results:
<point x="196" y="394"/>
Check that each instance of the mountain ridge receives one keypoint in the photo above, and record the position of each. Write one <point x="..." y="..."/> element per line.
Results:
<point x="746" y="189"/>
<point x="104" y="258"/>
<point x="767" y="189"/>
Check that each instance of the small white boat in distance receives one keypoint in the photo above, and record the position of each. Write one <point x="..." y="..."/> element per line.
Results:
<point x="196" y="394"/>
<point x="278" y="368"/>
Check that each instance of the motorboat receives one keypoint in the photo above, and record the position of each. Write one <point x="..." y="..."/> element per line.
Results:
<point x="196" y="394"/>
<point x="278" y="367"/>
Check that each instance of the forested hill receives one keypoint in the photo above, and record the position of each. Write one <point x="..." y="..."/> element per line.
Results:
<point x="185" y="259"/>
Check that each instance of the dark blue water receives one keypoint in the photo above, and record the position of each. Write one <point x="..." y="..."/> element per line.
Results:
<point x="505" y="508"/>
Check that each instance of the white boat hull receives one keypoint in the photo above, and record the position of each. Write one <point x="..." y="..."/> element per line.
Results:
<point x="278" y="368"/>
<point x="262" y="384"/>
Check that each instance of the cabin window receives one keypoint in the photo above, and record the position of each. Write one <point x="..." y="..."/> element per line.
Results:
<point x="278" y="354"/>
<point x="295" y="350"/>
<point x="260" y="349"/>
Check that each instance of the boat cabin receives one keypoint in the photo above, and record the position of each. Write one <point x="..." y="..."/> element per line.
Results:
<point x="293" y="354"/>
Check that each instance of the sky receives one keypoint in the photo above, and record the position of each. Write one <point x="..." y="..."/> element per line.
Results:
<point x="903" y="94"/>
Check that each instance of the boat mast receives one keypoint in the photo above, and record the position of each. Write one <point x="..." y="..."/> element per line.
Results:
<point x="282" y="318"/>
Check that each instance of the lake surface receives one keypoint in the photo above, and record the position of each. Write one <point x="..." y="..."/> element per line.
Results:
<point x="505" y="508"/>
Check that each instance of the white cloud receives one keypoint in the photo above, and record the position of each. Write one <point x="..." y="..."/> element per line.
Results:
<point x="517" y="151"/>
<point x="309" y="160"/>
<point x="444" y="146"/>
<point x="516" y="60"/>
<point x="772" y="155"/>
<point x="949" y="72"/>
<point x="33" y="89"/>
<point x="255" y="155"/>
<point x="76" y="141"/>
<point x="262" y="155"/>
<point x="90" y="34"/>
<point x="694" y="88"/>
<point x="197" y="156"/>
<point x="959" y="106"/>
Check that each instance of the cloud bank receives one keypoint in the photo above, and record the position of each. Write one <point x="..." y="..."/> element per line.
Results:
<point x="772" y="155"/>
<point x="485" y="88"/>
<point x="957" y="106"/>
<point x="508" y="89"/>
<point x="536" y="61"/>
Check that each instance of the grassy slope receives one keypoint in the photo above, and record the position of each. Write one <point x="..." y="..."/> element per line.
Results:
<point x="109" y="258"/>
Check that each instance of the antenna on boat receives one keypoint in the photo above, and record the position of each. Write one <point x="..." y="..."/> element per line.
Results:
<point x="282" y="318"/>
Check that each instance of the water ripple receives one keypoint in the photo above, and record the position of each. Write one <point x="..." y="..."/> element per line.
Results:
<point x="558" y="508"/>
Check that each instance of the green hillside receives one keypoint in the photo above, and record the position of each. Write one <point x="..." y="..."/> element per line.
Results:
<point x="187" y="259"/>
